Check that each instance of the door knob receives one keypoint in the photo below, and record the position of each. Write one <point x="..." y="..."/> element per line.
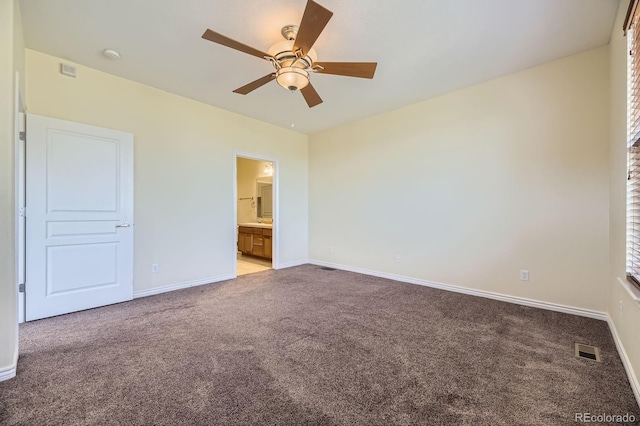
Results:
<point x="123" y="225"/>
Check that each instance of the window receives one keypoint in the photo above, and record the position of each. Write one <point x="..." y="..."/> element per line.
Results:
<point x="632" y="28"/>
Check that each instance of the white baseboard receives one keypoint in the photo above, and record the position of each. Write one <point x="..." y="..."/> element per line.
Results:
<point x="633" y="379"/>
<point x="481" y="293"/>
<point x="292" y="264"/>
<point x="10" y="371"/>
<point x="179" y="286"/>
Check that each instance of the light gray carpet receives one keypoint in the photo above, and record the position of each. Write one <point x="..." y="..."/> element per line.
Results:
<point x="310" y="346"/>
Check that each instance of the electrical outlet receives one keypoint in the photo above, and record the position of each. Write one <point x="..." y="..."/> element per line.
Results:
<point x="524" y="275"/>
<point x="330" y="250"/>
<point x="398" y="258"/>
<point x="621" y="307"/>
<point x="155" y="268"/>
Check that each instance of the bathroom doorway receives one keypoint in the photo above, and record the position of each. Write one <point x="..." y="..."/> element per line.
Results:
<point x="255" y="196"/>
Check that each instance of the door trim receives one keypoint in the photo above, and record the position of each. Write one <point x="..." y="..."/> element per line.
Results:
<point x="19" y="191"/>
<point x="275" y="260"/>
<point x="21" y="229"/>
<point x="20" y="188"/>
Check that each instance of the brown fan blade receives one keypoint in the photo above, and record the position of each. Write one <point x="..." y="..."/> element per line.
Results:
<point x="349" y="69"/>
<point x="248" y="88"/>
<point x="311" y="96"/>
<point x="314" y="19"/>
<point x="226" y="41"/>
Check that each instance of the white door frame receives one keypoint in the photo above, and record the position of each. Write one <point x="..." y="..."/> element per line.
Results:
<point x="275" y="260"/>
<point x="20" y="188"/>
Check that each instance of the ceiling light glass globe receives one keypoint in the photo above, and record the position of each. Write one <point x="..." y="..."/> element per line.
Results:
<point x="292" y="78"/>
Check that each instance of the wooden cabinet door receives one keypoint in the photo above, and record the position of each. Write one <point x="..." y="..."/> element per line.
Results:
<point x="244" y="243"/>
<point x="267" y="247"/>
<point x="248" y="243"/>
<point x="240" y="242"/>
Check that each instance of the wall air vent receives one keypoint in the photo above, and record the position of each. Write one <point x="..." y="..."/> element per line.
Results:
<point x="68" y="70"/>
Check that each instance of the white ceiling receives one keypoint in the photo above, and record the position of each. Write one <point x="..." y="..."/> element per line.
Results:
<point x="424" y="48"/>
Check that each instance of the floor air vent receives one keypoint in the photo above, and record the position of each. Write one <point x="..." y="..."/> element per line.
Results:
<point x="588" y="352"/>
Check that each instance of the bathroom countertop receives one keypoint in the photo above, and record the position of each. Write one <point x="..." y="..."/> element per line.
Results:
<point x="256" y="225"/>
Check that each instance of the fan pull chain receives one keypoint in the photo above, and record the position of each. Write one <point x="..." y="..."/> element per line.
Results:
<point x="291" y="104"/>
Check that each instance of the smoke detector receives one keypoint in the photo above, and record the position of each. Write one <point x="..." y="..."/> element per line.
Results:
<point x="111" y="54"/>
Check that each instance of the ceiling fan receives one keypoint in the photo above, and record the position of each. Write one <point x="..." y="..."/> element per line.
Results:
<point x="295" y="59"/>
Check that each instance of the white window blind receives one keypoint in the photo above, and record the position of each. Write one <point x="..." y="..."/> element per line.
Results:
<point x="632" y="28"/>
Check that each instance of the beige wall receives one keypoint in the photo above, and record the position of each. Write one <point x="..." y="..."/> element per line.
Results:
<point x="11" y="60"/>
<point x="627" y="323"/>
<point x="18" y="45"/>
<point x="184" y="163"/>
<point x="248" y="171"/>
<point x="471" y="187"/>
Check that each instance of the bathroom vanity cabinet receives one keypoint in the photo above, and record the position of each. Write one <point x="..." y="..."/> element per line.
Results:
<point x="255" y="241"/>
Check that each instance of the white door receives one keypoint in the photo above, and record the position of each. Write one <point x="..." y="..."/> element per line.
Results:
<point x="79" y="214"/>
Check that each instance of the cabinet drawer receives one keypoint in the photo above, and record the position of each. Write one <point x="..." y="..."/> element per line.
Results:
<point x="258" y="249"/>
<point x="268" y="232"/>
<point x="249" y="230"/>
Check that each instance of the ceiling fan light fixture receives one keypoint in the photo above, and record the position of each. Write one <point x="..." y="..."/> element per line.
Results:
<point x="294" y="58"/>
<point x="292" y="78"/>
<point x="284" y="55"/>
<point x="284" y="46"/>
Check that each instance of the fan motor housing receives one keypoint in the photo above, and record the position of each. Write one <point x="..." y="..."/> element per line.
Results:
<point x="284" y="55"/>
<point x="289" y="32"/>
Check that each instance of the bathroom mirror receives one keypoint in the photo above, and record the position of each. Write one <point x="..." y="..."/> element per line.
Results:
<point x="264" y="195"/>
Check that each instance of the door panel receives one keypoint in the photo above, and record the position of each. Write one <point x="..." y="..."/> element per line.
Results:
<point x="79" y="190"/>
<point x="98" y="267"/>
<point x="90" y="185"/>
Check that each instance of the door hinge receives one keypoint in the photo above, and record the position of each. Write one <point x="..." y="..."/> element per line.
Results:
<point x="22" y="136"/>
<point x="21" y="288"/>
<point x="22" y="212"/>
